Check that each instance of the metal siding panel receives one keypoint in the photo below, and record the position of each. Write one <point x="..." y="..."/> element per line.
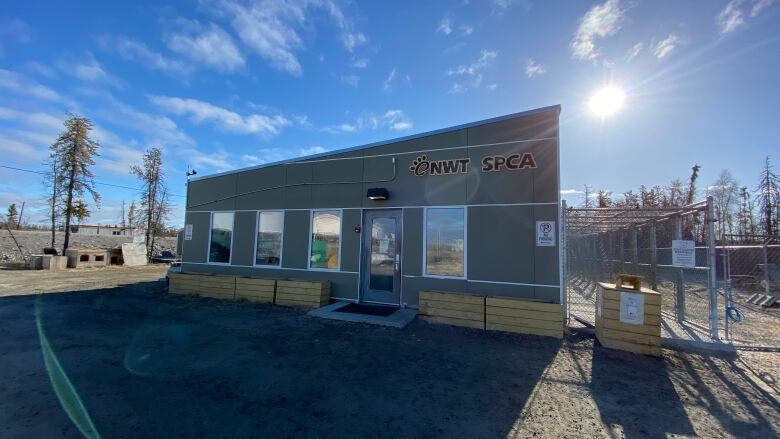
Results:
<point x="204" y="193"/>
<point x="261" y="179"/>
<point x="501" y="244"/>
<point x="504" y="186"/>
<point x="546" y="268"/>
<point x="350" y="241"/>
<point x="545" y="178"/>
<point x="296" y="239"/>
<point x="412" y="245"/>
<point x="503" y="290"/>
<point x="413" y="285"/>
<point x="534" y="126"/>
<point x="195" y="250"/>
<point x="244" y="238"/>
<point x="297" y="197"/>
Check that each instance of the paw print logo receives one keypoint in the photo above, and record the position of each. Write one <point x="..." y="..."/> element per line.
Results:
<point x="420" y="166"/>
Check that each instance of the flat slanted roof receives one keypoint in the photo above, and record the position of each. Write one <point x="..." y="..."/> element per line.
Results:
<point x="552" y="108"/>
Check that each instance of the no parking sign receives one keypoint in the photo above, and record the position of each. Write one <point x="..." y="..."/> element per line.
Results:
<point x="545" y="233"/>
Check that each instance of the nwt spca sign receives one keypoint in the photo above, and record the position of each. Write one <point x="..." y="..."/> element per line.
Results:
<point x="492" y="163"/>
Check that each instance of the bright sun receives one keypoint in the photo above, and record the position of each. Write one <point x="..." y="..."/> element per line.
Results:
<point x="607" y="101"/>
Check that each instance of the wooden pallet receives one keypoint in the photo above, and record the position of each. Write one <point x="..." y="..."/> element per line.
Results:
<point x="205" y="285"/>
<point x="458" y="309"/>
<point x="302" y="293"/>
<point x="256" y="290"/>
<point x="524" y="316"/>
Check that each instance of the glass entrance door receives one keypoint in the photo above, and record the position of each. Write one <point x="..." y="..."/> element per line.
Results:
<point x="380" y="271"/>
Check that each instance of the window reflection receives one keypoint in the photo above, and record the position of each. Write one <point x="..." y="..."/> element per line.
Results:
<point x="445" y="242"/>
<point x="325" y="239"/>
<point x="221" y="237"/>
<point x="270" y="227"/>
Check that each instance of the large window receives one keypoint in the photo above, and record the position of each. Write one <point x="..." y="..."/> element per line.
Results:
<point x="221" y="237"/>
<point x="445" y="241"/>
<point x="270" y="226"/>
<point x="325" y="239"/>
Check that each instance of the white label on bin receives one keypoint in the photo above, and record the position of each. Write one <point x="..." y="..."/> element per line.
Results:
<point x="632" y="308"/>
<point x="545" y="233"/>
<point x="683" y="253"/>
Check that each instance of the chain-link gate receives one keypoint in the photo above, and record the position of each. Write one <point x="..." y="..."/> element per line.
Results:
<point x="603" y="242"/>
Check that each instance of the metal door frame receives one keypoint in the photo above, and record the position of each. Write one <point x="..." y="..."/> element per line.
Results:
<point x="365" y="254"/>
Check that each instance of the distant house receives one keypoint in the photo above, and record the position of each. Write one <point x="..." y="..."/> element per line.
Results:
<point x="101" y="230"/>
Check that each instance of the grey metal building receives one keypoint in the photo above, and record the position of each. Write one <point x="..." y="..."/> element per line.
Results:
<point x="473" y="208"/>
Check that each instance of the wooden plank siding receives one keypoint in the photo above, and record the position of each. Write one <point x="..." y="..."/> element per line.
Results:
<point x="208" y="285"/>
<point x="524" y="316"/>
<point x="457" y="309"/>
<point x="612" y="333"/>
<point x="299" y="293"/>
<point x="256" y="290"/>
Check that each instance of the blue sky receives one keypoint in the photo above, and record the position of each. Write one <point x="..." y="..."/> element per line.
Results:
<point x="227" y="84"/>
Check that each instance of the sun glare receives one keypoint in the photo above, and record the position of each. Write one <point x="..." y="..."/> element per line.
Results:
<point x="607" y="101"/>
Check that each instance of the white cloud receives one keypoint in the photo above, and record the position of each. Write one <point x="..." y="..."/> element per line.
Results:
<point x="395" y="120"/>
<point x="571" y="192"/>
<point x="311" y="150"/>
<point x="492" y="87"/>
<point x="445" y="25"/>
<point x="16" y="30"/>
<point x="601" y="21"/>
<point x="735" y="14"/>
<point x="350" y="80"/>
<point x="665" y="47"/>
<point x="759" y="6"/>
<point x="466" y="29"/>
<point x="387" y="84"/>
<point x="361" y="63"/>
<point x="200" y="111"/>
<point x="634" y="51"/>
<point x="137" y="51"/>
<point x="271" y="155"/>
<point x="731" y="17"/>
<point x="272" y="28"/>
<point x="206" y="44"/>
<point x="218" y="161"/>
<point x="534" y="69"/>
<point x="88" y="69"/>
<point x="29" y="140"/>
<point x="471" y="73"/>
<point x="22" y="85"/>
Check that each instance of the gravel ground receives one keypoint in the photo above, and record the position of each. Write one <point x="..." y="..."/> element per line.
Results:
<point x="33" y="242"/>
<point x="133" y="362"/>
<point x="16" y="282"/>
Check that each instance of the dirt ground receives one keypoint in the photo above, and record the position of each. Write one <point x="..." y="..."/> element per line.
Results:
<point x="134" y="362"/>
<point x="15" y="282"/>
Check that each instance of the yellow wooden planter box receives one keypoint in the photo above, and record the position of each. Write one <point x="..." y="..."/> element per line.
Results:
<point x="256" y="290"/>
<point x="458" y="309"/>
<point x="303" y="293"/>
<point x="206" y="285"/>
<point x="524" y="316"/>
<point x="627" y="334"/>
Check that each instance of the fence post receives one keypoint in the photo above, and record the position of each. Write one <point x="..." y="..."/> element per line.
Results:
<point x="679" y="280"/>
<point x="711" y="261"/>
<point x="653" y="258"/>
<point x="766" y="266"/>
<point x="634" y="250"/>
<point x="564" y="267"/>
<point x="622" y="249"/>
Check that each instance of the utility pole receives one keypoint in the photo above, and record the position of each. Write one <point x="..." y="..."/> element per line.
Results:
<point x="19" y="221"/>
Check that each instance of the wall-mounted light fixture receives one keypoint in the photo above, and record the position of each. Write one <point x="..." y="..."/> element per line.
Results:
<point x="378" y="193"/>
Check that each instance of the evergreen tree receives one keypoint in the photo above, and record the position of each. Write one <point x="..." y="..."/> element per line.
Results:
<point x="12" y="216"/>
<point x="74" y="152"/>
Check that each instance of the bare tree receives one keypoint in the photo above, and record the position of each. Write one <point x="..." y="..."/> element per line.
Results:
<point x="53" y="187"/>
<point x="587" y="193"/>
<point x="768" y="198"/>
<point x="132" y="215"/>
<point x="153" y="194"/>
<point x="746" y="223"/>
<point x="74" y="152"/>
<point x="604" y="199"/>
<point x="724" y="192"/>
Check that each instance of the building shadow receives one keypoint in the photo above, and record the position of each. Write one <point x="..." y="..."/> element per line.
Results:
<point x="635" y="395"/>
<point x="129" y="362"/>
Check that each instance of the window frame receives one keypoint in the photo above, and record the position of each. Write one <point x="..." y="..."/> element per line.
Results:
<point x="232" y="237"/>
<point x="311" y="233"/>
<point x="465" y="243"/>
<point x="281" y="242"/>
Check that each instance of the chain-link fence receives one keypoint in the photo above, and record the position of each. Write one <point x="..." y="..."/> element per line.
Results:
<point x="750" y="268"/>
<point x="603" y="242"/>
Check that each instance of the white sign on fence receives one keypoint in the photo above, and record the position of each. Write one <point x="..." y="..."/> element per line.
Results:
<point x="683" y="253"/>
<point x="188" y="232"/>
<point x="545" y="233"/>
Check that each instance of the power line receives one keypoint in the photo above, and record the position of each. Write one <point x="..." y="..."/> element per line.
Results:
<point x="97" y="182"/>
